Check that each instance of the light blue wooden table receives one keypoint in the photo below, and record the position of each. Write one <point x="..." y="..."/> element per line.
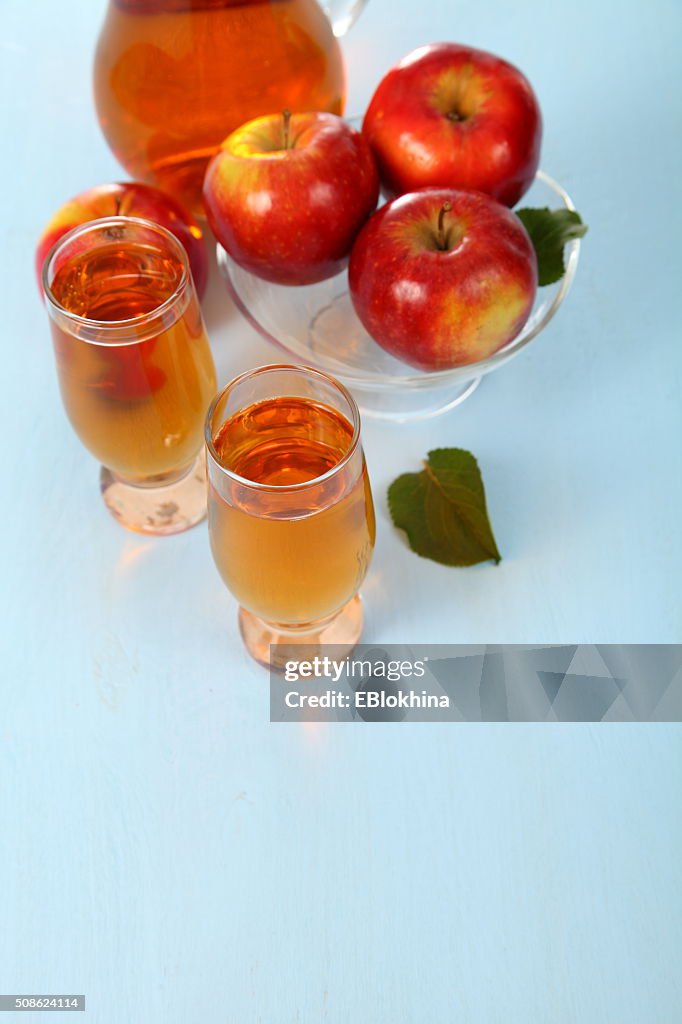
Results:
<point x="172" y="855"/>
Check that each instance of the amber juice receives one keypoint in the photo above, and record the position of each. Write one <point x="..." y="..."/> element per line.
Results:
<point x="173" y="78"/>
<point x="133" y="360"/>
<point x="296" y="546"/>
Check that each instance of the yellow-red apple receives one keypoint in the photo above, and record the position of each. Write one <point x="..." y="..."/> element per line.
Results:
<point x="287" y="194"/>
<point x="129" y="199"/>
<point x="441" y="278"/>
<point x="449" y="116"/>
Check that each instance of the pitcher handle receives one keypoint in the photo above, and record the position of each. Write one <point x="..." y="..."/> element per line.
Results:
<point x="343" y="14"/>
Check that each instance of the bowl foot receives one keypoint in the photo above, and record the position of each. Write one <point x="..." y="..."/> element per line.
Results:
<point x="416" y="405"/>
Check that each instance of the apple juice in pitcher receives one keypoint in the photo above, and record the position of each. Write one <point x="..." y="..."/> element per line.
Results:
<point x="173" y="78"/>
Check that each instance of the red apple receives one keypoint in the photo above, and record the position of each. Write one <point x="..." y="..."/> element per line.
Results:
<point x="287" y="194"/>
<point x="441" y="278"/>
<point x="449" y="116"/>
<point x="130" y="199"/>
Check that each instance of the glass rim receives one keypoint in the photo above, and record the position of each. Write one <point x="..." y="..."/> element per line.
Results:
<point x="114" y="326"/>
<point x="307" y="371"/>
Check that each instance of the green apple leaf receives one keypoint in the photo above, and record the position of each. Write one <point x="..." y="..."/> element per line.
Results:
<point x="442" y="509"/>
<point x="549" y="231"/>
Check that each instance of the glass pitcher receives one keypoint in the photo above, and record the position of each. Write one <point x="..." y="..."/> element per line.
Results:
<point x="174" y="77"/>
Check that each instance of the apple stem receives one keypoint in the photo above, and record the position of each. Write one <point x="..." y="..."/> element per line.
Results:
<point x="441" y="239"/>
<point x="286" y="121"/>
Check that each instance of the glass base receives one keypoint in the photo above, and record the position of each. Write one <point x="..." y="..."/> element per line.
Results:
<point x="273" y="644"/>
<point x="158" y="507"/>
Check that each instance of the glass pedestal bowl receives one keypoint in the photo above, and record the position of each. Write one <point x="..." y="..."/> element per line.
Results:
<point x="317" y="325"/>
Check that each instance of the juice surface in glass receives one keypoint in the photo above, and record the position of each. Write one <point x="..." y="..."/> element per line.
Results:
<point x="296" y="547"/>
<point x="137" y="405"/>
<point x="173" y="78"/>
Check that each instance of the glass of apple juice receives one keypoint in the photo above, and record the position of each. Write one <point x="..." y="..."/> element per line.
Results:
<point x="290" y="512"/>
<point x="134" y="365"/>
